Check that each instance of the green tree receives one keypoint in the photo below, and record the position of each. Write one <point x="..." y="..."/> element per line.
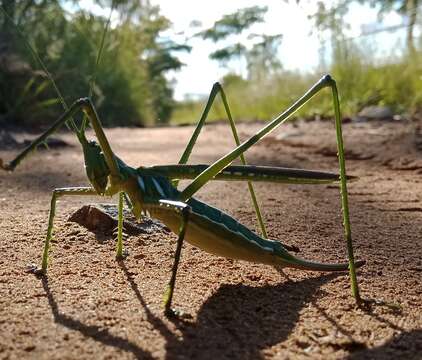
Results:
<point x="24" y="91"/>
<point x="130" y="84"/>
<point x="263" y="58"/>
<point x="331" y="16"/>
<point x="159" y="57"/>
<point x="406" y="8"/>
<point x="233" y="24"/>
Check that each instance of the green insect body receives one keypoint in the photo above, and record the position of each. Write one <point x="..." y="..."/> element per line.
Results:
<point x="95" y="166"/>
<point x="153" y="190"/>
<point x="211" y="229"/>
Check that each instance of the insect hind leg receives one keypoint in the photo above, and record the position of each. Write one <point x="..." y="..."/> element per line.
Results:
<point x="185" y="211"/>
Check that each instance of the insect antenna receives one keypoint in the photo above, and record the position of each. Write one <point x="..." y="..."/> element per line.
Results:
<point x="97" y="63"/>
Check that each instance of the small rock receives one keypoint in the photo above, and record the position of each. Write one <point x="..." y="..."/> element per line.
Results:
<point x="103" y="218"/>
<point x="375" y="113"/>
<point x="7" y="141"/>
<point x="29" y="348"/>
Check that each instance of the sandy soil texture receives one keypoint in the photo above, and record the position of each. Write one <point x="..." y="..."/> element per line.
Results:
<point x="92" y="307"/>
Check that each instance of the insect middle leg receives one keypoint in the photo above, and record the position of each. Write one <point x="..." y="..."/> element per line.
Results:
<point x="218" y="89"/>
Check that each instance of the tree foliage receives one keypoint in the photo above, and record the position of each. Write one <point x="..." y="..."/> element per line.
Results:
<point x="261" y="56"/>
<point x="229" y="52"/>
<point x="407" y="8"/>
<point x="234" y="23"/>
<point x="130" y="83"/>
<point x="229" y="25"/>
<point x="330" y="15"/>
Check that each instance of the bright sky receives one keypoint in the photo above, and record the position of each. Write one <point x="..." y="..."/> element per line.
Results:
<point x="299" y="49"/>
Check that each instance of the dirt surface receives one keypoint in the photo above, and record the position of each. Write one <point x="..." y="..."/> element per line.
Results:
<point x="92" y="307"/>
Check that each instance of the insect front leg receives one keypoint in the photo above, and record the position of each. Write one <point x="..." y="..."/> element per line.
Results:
<point x="87" y="191"/>
<point x="119" y="245"/>
<point x="86" y="105"/>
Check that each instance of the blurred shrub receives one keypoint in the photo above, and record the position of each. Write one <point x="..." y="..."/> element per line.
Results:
<point x="362" y="81"/>
<point x="130" y="85"/>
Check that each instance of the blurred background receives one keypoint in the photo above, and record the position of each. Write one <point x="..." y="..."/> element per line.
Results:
<point x="160" y="58"/>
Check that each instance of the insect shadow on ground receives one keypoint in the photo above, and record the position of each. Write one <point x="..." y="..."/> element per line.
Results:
<point x="238" y="321"/>
<point x="92" y="331"/>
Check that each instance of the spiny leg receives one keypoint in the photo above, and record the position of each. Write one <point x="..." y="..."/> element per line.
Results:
<point x="119" y="245"/>
<point x="344" y="194"/>
<point x="226" y="160"/>
<point x="86" y="105"/>
<point x="217" y="88"/>
<point x="56" y="194"/>
<point x="185" y="211"/>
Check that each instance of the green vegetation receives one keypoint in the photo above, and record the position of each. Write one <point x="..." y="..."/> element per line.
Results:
<point x="361" y="81"/>
<point x="130" y="85"/>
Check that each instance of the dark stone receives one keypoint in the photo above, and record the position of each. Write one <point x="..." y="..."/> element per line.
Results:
<point x="104" y="217"/>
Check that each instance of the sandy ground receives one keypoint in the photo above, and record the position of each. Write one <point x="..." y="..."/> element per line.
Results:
<point x="92" y="307"/>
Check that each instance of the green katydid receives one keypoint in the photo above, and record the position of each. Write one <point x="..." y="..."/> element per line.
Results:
<point x="154" y="190"/>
